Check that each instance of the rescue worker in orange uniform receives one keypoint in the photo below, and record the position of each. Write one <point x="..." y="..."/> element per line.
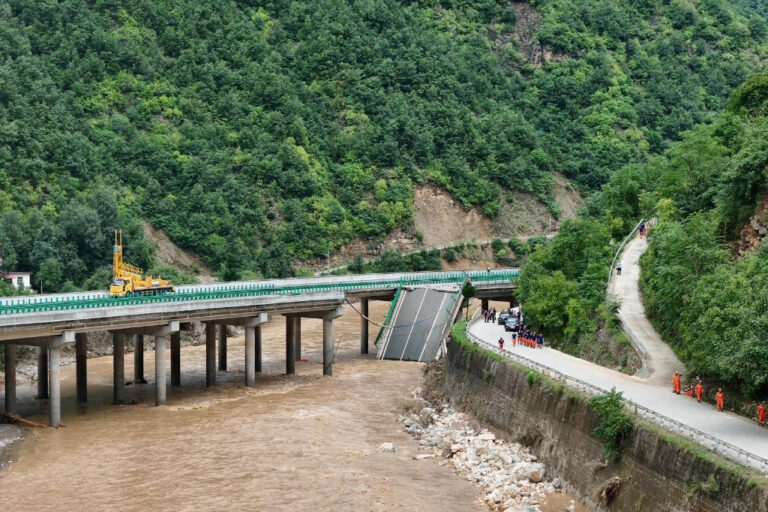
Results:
<point x="501" y="343"/>
<point x="677" y="383"/>
<point x="720" y="399"/>
<point x="762" y="413"/>
<point x="689" y="391"/>
<point x="699" y="391"/>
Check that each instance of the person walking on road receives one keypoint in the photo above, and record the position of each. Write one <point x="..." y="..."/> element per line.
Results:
<point x="720" y="399"/>
<point x="501" y="343"/>
<point x="618" y="268"/>
<point x="762" y="413"/>
<point x="699" y="391"/>
<point x="642" y="229"/>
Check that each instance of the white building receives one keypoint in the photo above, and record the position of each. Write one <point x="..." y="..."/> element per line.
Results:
<point x="19" y="280"/>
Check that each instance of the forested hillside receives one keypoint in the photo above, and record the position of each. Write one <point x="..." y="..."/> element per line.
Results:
<point x="258" y="134"/>
<point x="705" y="275"/>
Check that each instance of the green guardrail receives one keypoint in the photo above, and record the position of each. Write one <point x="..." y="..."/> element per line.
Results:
<point x="392" y="307"/>
<point x="12" y="306"/>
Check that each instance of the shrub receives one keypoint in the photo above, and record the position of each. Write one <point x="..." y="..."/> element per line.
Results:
<point x="614" y="425"/>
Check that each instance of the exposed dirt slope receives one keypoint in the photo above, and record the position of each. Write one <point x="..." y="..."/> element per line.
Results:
<point x="169" y="253"/>
<point x="444" y="221"/>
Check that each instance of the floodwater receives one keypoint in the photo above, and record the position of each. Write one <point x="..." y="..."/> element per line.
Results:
<point x="303" y="442"/>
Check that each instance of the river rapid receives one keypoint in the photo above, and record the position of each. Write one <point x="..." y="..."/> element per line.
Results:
<point x="304" y="442"/>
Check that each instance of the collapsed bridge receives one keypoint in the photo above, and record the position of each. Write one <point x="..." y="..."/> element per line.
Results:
<point x="50" y="321"/>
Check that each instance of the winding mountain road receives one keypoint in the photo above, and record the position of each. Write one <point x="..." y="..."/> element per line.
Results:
<point x="659" y="361"/>
<point x="651" y="389"/>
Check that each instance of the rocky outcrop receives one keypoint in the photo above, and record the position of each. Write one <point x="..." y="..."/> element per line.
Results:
<point x="655" y="472"/>
<point x="755" y="231"/>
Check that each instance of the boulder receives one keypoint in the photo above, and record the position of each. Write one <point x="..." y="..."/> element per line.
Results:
<point x="426" y="415"/>
<point x="387" y="447"/>
<point x="536" y="472"/>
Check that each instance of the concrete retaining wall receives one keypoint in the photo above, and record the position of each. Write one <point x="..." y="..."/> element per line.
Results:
<point x="657" y="473"/>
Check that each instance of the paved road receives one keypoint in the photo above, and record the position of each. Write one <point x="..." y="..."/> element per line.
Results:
<point x="728" y="427"/>
<point x="659" y="361"/>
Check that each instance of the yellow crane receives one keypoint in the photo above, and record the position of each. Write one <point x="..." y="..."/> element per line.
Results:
<point x="127" y="279"/>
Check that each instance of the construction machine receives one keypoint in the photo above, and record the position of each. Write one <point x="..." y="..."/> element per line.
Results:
<point x="127" y="280"/>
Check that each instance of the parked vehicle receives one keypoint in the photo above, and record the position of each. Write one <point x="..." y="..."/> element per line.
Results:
<point x="512" y="324"/>
<point x="502" y="316"/>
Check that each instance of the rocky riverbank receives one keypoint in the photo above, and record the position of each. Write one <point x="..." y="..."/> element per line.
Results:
<point x="511" y="477"/>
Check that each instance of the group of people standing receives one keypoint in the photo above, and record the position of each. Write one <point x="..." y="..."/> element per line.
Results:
<point x="489" y="315"/>
<point x="697" y="391"/>
<point x="527" y="339"/>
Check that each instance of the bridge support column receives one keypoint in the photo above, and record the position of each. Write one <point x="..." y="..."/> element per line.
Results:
<point x="176" y="359"/>
<point x="210" y="354"/>
<point x="253" y="348"/>
<point x="222" y="348"/>
<point x="42" y="372"/>
<point x="118" y="367"/>
<point x="160" y="374"/>
<point x="10" y="377"/>
<point x="81" y="367"/>
<point x="54" y="377"/>
<point x="297" y="338"/>
<point x="328" y="346"/>
<point x="257" y="348"/>
<point x="290" y="353"/>
<point x="250" y="355"/>
<point x="363" y="326"/>
<point x="484" y="303"/>
<point x="138" y="360"/>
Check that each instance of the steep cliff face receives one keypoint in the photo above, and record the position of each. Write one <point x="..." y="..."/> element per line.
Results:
<point x="654" y="473"/>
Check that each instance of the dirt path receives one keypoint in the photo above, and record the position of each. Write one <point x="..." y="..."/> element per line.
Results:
<point x="659" y="361"/>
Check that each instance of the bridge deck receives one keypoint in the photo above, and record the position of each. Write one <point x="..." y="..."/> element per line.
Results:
<point x="350" y="285"/>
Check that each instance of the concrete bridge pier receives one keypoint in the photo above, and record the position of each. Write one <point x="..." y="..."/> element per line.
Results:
<point x="42" y="372"/>
<point x="161" y="375"/>
<point x="297" y="338"/>
<point x="290" y="338"/>
<point x="328" y="348"/>
<point x="223" y="348"/>
<point x="54" y="376"/>
<point x="257" y="348"/>
<point x="210" y="354"/>
<point x="10" y="377"/>
<point x="138" y="360"/>
<point x="81" y="367"/>
<point x="176" y="358"/>
<point x="253" y="347"/>
<point x="118" y="367"/>
<point x="363" y="326"/>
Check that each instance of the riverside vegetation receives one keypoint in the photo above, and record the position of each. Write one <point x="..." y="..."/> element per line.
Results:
<point x="259" y="137"/>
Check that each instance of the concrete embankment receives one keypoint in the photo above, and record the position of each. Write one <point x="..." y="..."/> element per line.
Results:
<point x="656" y="471"/>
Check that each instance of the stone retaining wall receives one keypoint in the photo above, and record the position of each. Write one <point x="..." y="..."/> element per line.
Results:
<point x="656" y="471"/>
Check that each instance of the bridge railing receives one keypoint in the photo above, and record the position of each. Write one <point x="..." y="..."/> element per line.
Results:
<point x="709" y="442"/>
<point x="10" y="306"/>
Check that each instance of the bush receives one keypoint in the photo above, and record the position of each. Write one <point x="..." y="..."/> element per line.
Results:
<point x="614" y="425"/>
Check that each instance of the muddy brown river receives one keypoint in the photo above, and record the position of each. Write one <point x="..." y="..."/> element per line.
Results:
<point x="304" y="442"/>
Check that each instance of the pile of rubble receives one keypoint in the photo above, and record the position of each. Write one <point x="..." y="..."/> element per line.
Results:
<point x="510" y="476"/>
